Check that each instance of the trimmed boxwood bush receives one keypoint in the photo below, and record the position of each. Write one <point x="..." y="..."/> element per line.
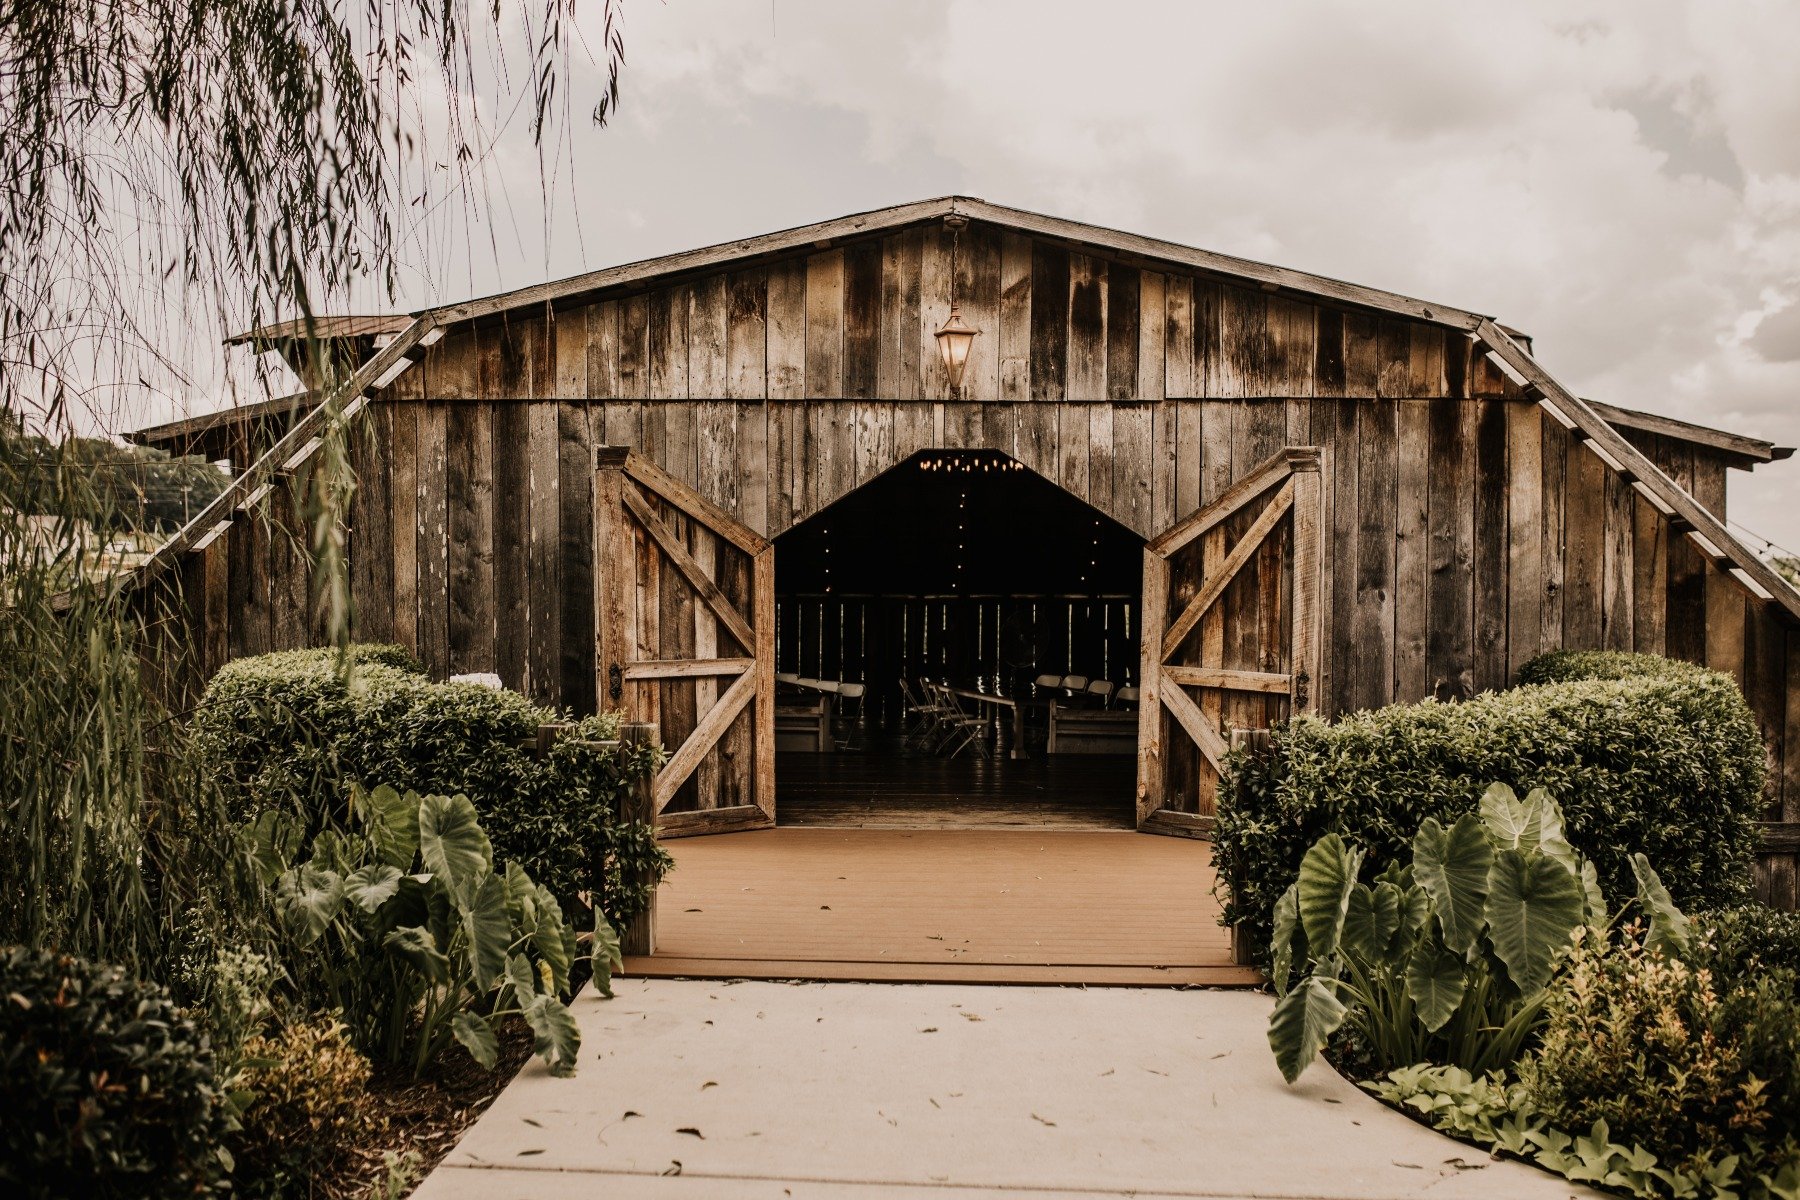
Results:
<point x="1658" y="758"/>
<point x="106" y="1086"/>
<point x="1748" y="942"/>
<point x="291" y="731"/>
<point x="1567" y="666"/>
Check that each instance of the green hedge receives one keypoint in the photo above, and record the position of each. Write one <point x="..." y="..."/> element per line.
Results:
<point x="1659" y="758"/>
<point x="106" y="1086"/>
<point x="1569" y="666"/>
<point x="292" y="730"/>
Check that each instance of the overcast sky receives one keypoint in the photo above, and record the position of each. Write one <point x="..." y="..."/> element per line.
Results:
<point x="1622" y="181"/>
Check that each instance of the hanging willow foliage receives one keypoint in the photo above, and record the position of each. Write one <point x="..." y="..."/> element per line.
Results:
<point x="170" y="168"/>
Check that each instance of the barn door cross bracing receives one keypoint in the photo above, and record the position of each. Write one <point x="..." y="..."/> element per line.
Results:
<point x="1230" y="634"/>
<point x="684" y="599"/>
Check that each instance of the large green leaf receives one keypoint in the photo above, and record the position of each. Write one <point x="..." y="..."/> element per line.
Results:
<point x="413" y="945"/>
<point x="1668" y="927"/>
<point x="607" y="956"/>
<point x="549" y="939"/>
<point x="1453" y="866"/>
<point x="1390" y="919"/>
<point x="393" y="821"/>
<point x="1287" y="926"/>
<point x="372" y="886"/>
<point x="272" y="843"/>
<point x="453" y="845"/>
<point x="554" y="1035"/>
<point x="1327" y="875"/>
<point x="522" y="977"/>
<point x="308" y="899"/>
<point x="1365" y="937"/>
<point x="1302" y="1020"/>
<point x="1509" y="821"/>
<point x="489" y="931"/>
<point x="1436" y="977"/>
<point x="521" y="897"/>
<point x="1534" y="907"/>
<point x="477" y="1037"/>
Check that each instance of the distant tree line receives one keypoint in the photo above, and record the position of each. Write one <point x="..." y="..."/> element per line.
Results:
<point x="121" y="487"/>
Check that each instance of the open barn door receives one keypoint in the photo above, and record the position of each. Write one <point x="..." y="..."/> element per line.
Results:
<point x="685" y="635"/>
<point x="1230" y="634"/>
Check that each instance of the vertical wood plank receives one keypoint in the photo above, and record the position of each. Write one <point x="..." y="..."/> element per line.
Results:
<point x="934" y="309"/>
<point x="1087" y="328"/>
<point x="1124" y="295"/>
<point x="1155" y="607"/>
<point x="709" y="316"/>
<point x="1585" y="541"/>
<point x="575" y="566"/>
<point x="1377" y="505"/>
<point x="1725" y="600"/>
<point x="1015" y="317"/>
<point x="1178" y="338"/>
<point x="510" y="513"/>
<point x="1524" y="533"/>
<point x="1617" y="603"/>
<point x="432" y="541"/>
<point x="746" y="336"/>
<point x="1049" y="321"/>
<point x="543" y="652"/>
<point x="1413" y="551"/>
<point x="862" y="319"/>
<point x="1649" y="577"/>
<point x="1491" y="552"/>
<point x="787" y="349"/>
<point x="978" y="291"/>
<point x="1451" y="519"/>
<point x="1554" y="450"/>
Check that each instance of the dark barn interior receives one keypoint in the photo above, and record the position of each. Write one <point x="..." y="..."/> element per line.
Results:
<point x="964" y="569"/>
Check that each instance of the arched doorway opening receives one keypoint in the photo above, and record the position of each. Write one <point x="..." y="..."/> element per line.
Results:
<point x="959" y="572"/>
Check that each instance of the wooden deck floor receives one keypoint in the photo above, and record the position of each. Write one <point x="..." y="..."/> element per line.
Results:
<point x="931" y="905"/>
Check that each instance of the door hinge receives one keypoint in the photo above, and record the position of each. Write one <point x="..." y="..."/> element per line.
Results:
<point x="615" y="682"/>
<point x="1300" y="685"/>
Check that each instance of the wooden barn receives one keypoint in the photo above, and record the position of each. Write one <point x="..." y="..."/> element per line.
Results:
<point x="740" y="492"/>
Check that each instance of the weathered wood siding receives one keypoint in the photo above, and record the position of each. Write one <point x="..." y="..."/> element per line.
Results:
<point x="1466" y="531"/>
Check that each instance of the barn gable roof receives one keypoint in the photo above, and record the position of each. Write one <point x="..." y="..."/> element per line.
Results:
<point x="1509" y="349"/>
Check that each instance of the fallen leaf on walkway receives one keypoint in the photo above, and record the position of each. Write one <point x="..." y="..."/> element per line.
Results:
<point x="693" y="910"/>
<point x="1329" y="1100"/>
<point x="709" y="1083"/>
<point x="1408" y="1166"/>
<point x="1154" y="1071"/>
<point x="1042" y="1121"/>
<point x="1461" y="1165"/>
<point x="674" y="1167"/>
<point x="629" y="1114"/>
<point x="1223" y="1054"/>
<point x="1107" y="1072"/>
<point x="968" y="1016"/>
<point x="691" y="1132"/>
<point x="531" y="1122"/>
<point x="824" y="908"/>
<point x="934" y="1103"/>
<point x="929" y="1029"/>
<point x="529" y="1153"/>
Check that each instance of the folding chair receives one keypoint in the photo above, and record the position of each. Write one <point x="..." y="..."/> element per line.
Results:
<point x="961" y="731"/>
<point x="1100" y="692"/>
<point x="920" y="719"/>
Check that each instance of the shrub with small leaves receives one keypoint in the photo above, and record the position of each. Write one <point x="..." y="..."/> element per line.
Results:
<point x="1667" y="1059"/>
<point x="307" y="1101"/>
<point x="107" y="1087"/>
<point x="1749" y="942"/>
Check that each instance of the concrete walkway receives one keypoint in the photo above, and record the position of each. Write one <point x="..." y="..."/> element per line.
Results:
<point x="693" y="1088"/>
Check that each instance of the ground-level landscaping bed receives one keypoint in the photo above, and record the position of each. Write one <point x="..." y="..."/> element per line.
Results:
<point x="1518" y="970"/>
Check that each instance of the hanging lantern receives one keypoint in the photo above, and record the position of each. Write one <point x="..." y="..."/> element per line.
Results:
<point x="954" y="340"/>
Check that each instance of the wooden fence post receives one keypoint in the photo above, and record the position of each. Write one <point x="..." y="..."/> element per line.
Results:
<point x="639" y="934"/>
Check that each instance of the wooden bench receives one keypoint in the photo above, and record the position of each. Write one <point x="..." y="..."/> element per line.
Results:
<point x="1092" y="730"/>
<point x="804" y="728"/>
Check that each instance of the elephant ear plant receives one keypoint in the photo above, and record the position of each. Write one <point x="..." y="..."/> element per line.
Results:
<point x="405" y="927"/>
<point x="1445" y="959"/>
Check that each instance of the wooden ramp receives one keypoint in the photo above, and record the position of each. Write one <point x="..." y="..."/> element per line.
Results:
<point x="943" y="905"/>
